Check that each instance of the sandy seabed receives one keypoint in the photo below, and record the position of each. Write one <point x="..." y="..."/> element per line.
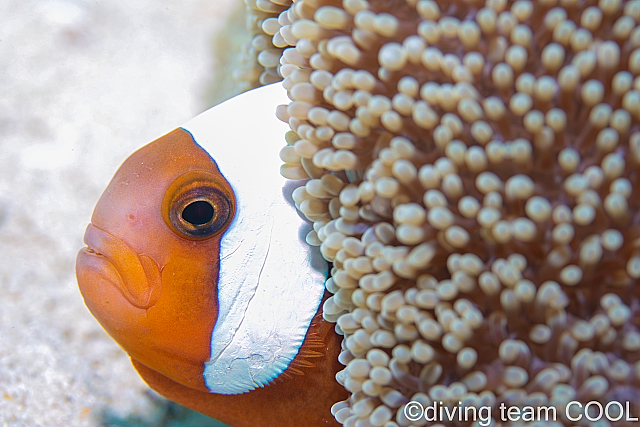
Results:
<point x="82" y="85"/>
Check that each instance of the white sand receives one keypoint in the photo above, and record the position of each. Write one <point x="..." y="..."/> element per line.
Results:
<point x="82" y="85"/>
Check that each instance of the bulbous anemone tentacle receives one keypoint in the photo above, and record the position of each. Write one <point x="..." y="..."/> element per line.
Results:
<point x="472" y="174"/>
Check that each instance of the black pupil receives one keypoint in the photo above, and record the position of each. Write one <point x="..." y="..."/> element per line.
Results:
<point x="198" y="213"/>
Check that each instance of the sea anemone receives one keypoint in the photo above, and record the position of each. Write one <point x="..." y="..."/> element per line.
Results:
<point x="473" y="177"/>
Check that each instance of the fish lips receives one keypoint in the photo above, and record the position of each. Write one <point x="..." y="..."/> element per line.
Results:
<point x="109" y="262"/>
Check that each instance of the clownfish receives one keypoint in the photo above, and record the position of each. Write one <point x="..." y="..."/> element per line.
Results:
<point x="196" y="265"/>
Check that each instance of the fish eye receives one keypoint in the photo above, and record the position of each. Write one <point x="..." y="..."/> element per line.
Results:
<point x="197" y="205"/>
<point x="199" y="212"/>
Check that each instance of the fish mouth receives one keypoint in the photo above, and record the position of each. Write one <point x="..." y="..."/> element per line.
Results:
<point x="109" y="260"/>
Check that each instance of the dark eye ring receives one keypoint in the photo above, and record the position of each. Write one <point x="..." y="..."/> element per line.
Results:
<point x="196" y="206"/>
<point x="201" y="212"/>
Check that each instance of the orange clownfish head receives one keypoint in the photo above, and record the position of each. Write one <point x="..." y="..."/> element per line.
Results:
<point x="196" y="262"/>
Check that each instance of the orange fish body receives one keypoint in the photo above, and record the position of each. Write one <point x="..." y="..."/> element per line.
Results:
<point x="196" y="265"/>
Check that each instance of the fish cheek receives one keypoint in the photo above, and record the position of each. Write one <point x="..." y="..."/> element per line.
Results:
<point x="183" y="318"/>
